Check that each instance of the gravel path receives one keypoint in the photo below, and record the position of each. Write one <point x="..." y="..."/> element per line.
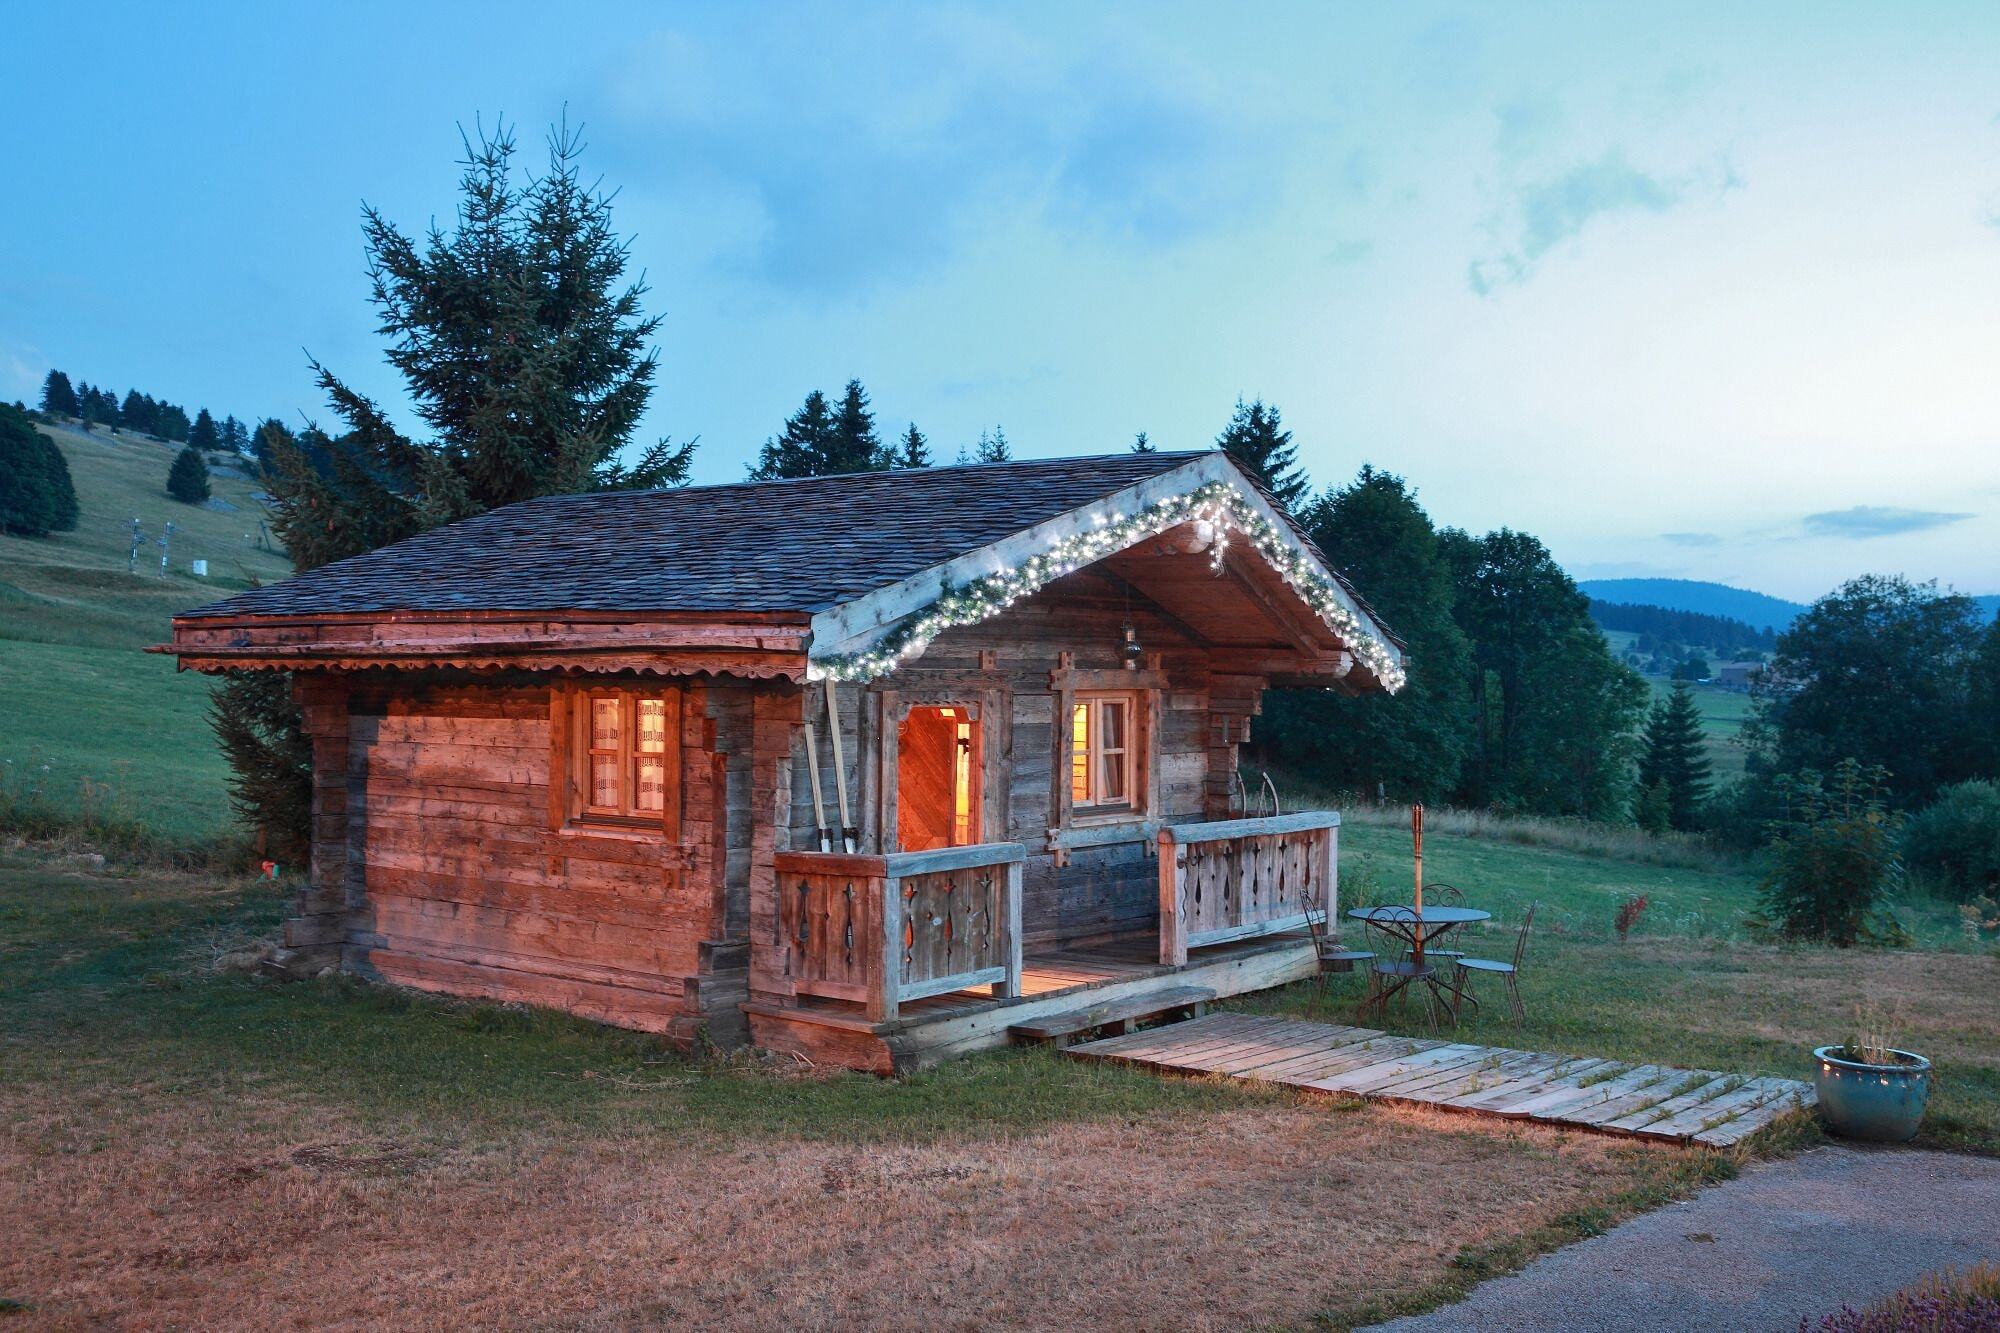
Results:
<point x="1786" y="1240"/>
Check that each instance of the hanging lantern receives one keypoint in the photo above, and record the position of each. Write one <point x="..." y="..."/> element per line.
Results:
<point x="1130" y="649"/>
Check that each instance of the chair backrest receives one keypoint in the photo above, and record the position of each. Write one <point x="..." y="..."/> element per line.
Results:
<point x="1521" y="940"/>
<point x="1444" y="895"/>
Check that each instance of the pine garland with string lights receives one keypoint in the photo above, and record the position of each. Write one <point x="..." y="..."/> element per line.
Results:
<point x="1217" y="503"/>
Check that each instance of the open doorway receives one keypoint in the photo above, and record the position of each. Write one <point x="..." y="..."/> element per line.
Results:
<point x="937" y="779"/>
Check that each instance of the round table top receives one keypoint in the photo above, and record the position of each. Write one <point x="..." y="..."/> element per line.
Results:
<point x="1434" y="914"/>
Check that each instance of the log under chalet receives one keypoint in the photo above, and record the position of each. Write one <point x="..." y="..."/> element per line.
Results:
<point x="875" y="769"/>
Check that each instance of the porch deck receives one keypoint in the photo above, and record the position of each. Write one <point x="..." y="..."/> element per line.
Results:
<point x="939" y="1027"/>
<point x="1701" y="1106"/>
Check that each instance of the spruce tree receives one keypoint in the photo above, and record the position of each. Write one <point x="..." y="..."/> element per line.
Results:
<point x="803" y="447"/>
<point x="234" y="438"/>
<point x="527" y="353"/>
<point x="1142" y="445"/>
<point x="854" y="447"/>
<point x="993" y="447"/>
<point x="187" y="479"/>
<point x="174" y="428"/>
<point x="58" y="396"/>
<point x="1255" y="437"/>
<point x="36" y="494"/>
<point x="915" y="450"/>
<point x="136" y="412"/>
<point x="1672" y="754"/>
<point x="203" y="435"/>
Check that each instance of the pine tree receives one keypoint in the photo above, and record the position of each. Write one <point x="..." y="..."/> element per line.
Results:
<point x="36" y="494"/>
<point x="803" y="447"/>
<point x="187" y="479"/>
<point x="1142" y="445"/>
<point x="993" y="448"/>
<point x="1255" y="437"/>
<point x="173" y="421"/>
<point x="1672" y="754"/>
<point x="58" y="397"/>
<point x="915" y="450"/>
<point x="854" y="447"/>
<point x="267" y="439"/>
<point x="136" y="412"/>
<point x="526" y="352"/>
<point x="204" y="436"/>
<point x="234" y="438"/>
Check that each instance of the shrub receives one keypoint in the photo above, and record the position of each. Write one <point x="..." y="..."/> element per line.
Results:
<point x="187" y="479"/>
<point x="1955" y="840"/>
<point x="1834" y="858"/>
<point x="1947" y="1302"/>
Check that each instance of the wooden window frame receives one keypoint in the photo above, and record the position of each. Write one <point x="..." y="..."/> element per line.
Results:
<point x="572" y="717"/>
<point x="1136" y="756"/>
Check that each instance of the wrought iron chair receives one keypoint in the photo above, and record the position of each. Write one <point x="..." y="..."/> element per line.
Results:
<point x="1444" y="895"/>
<point x="1507" y="972"/>
<point x="1331" y="957"/>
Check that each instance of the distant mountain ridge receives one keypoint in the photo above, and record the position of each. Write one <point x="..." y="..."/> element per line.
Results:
<point x="1709" y="599"/>
<point x="1719" y="599"/>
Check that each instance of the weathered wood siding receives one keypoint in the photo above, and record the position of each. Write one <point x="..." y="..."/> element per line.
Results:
<point x="457" y="879"/>
<point x="1004" y="666"/>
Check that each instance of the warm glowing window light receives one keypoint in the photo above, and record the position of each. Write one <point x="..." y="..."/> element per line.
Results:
<point x="626" y="763"/>
<point x="1101" y="765"/>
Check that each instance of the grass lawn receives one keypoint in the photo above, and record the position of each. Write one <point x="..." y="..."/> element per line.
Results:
<point x="189" y="1146"/>
<point x="90" y="717"/>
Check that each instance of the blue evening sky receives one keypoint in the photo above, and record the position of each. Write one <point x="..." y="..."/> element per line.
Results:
<point x="1705" y="291"/>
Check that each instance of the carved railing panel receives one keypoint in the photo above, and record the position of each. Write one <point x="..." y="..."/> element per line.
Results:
<point x="1236" y="878"/>
<point x="885" y="929"/>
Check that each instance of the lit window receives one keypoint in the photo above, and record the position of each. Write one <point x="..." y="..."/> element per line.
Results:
<point x="1103" y="769"/>
<point x="626" y="761"/>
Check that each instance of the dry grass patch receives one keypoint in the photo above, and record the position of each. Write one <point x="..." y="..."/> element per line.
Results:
<point x="277" y="1215"/>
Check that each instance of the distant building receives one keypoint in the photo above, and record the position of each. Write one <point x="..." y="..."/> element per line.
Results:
<point x="1736" y="675"/>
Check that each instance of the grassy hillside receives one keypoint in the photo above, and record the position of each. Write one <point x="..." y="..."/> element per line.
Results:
<point x="89" y="716"/>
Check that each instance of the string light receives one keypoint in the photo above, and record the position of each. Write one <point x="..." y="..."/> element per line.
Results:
<point x="1218" y="504"/>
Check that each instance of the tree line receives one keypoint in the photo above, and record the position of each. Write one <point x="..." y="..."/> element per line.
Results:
<point x="141" y="412"/>
<point x="1724" y="634"/>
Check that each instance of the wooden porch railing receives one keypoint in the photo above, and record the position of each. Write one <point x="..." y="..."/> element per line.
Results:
<point x="1230" y="879"/>
<point x="882" y="930"/>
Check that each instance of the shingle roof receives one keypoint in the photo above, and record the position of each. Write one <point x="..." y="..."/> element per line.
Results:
<point x="777" y="546"/>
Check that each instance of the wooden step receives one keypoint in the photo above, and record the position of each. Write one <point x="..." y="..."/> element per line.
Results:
<point x="1117" y="1015"/>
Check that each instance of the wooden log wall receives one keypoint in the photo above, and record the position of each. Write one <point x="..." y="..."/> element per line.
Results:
<point x="1005" y="667"/>
<point x="434" y="816"/>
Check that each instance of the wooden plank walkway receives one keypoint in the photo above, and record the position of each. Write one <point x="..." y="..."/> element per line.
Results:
<point x="1702" y="1106"/>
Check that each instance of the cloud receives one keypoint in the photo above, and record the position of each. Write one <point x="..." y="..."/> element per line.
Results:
<point x="1865" y="521"/>
<point x="1543" y="214"/>
<point x="1691" y="538"/>
<point x="815" y="179"/>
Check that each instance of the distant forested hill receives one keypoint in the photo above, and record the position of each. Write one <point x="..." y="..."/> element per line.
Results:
<point x="1717" y="599"/>
<point x="1724" y="634"/>
<point x="1708" y="599"/>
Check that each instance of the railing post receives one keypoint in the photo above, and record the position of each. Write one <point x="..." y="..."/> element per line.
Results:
<point x="886" y="985"/>
<point x="1329" y="878"/>
<point x="1010" y="916"/>
<point x="1173" y="901"/>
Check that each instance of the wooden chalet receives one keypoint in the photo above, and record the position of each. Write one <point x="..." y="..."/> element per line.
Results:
<point x="869" y="768"/>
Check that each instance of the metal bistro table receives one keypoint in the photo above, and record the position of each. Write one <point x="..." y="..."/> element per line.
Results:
<point x="1416" y="928"/>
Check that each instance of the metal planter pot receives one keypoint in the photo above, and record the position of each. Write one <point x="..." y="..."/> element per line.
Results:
<point x="1878" y="1103"/>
